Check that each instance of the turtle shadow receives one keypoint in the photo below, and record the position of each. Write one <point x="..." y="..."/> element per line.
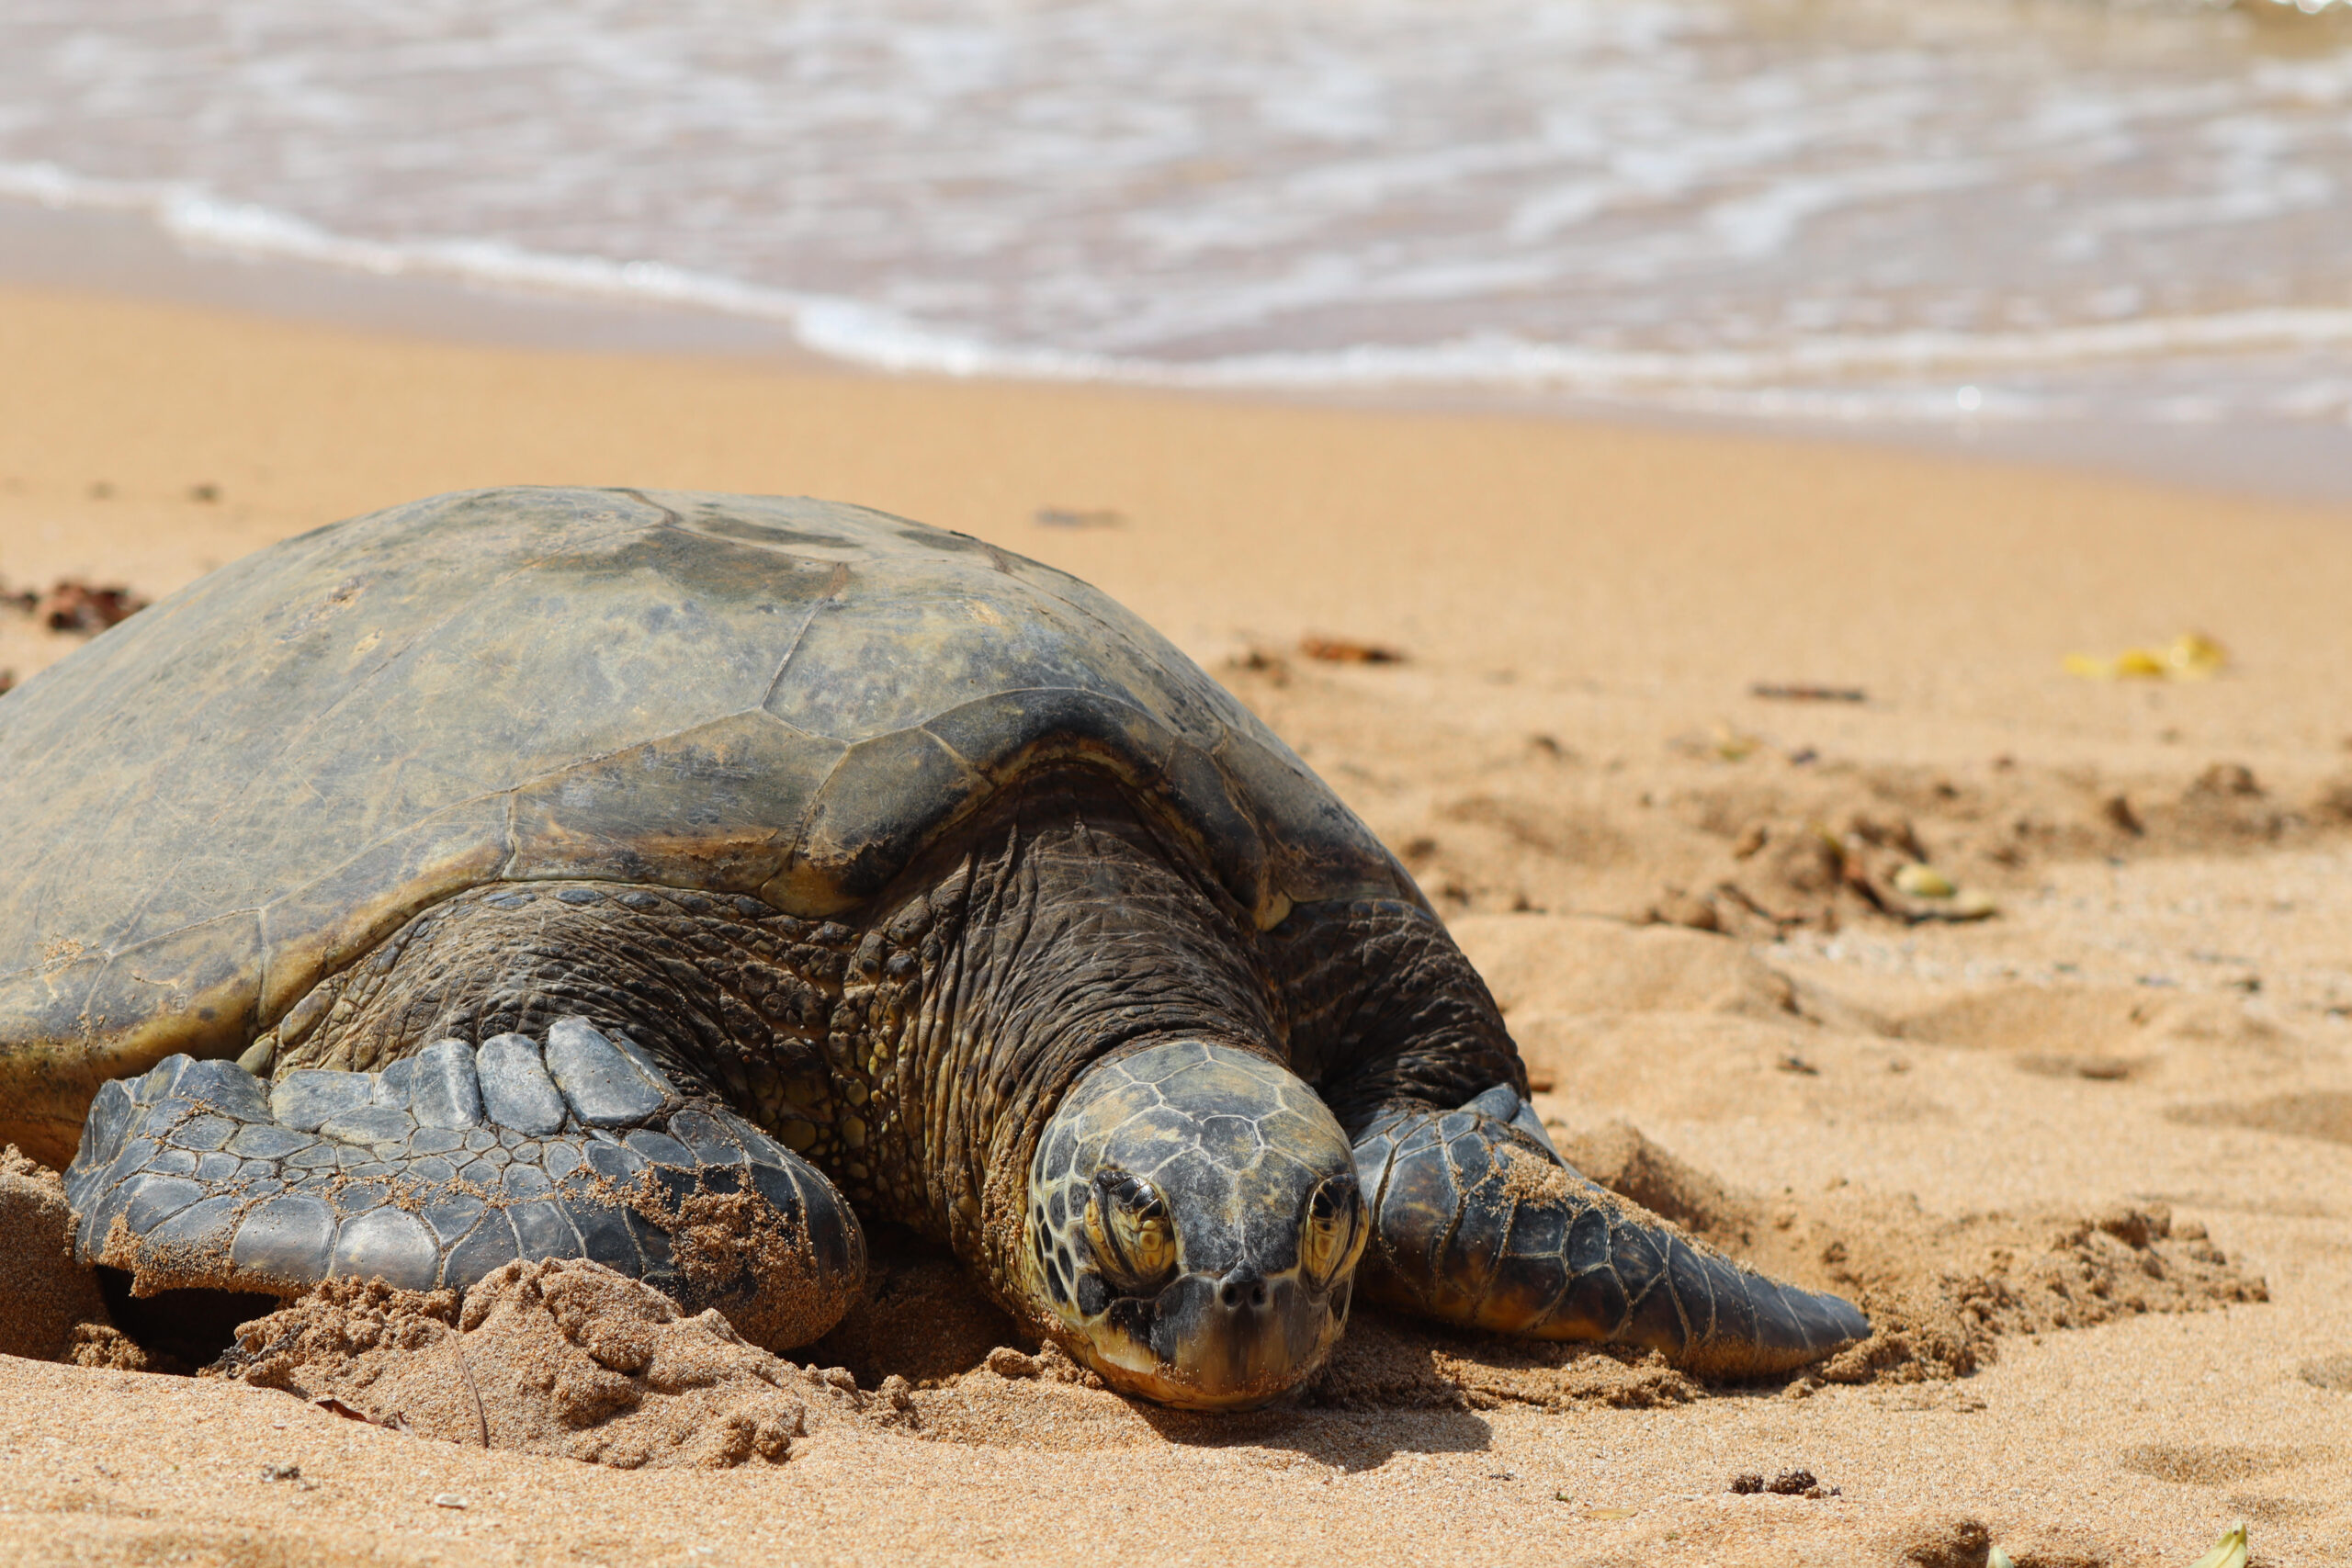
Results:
<point x="1342" y="1439"/>
<point x="920" y="1317"/>
<point x="179" y="1330"/>
<point x="1347" y="1440"/>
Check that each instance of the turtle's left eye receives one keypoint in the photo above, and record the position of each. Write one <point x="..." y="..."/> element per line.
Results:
<point x="1133" y="1237"/>
<point x="1331" y="1232"/>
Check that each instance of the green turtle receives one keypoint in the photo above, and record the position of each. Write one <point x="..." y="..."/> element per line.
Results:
<point x="684" y="882"/>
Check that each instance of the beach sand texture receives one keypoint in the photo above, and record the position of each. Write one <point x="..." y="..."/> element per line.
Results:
<point x="2085" y="1160"/>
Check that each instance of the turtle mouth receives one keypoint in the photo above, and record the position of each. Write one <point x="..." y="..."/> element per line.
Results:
<point x="1204" y="1343"/>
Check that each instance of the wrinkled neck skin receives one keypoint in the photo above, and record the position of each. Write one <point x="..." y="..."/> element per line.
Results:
<point x="1080" y="931"/>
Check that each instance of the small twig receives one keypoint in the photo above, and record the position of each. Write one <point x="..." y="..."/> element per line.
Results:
<point x="1781" y="924"/>
<point x="1346" y="650"/>
<point x="481" y="1417"/>
<point x="234" y="1361"/>
<point x="1777" y="692"/>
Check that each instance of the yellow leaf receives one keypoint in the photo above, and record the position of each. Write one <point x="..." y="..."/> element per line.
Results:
<point x="2195" y="656"/>
<point x="1922" y="881"/>
<point x="1734" y="745"/>
<point x="2228" y="1552"/>
<point x="2191" y="656"/>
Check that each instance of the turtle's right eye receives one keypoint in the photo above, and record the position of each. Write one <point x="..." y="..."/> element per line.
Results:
<point x="1133" y="1237"/>
<point x="1333" y="1233"/>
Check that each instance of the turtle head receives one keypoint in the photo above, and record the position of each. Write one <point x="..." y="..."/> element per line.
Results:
<point x="1193" y="1225"/>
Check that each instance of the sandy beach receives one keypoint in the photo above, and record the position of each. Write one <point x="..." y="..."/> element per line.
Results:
<point x="1667" y="712"/>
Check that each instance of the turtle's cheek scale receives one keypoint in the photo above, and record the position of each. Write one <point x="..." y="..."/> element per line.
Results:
<point x="441" y="1170"/>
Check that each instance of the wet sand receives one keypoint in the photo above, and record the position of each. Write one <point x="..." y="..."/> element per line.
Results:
<point x="2085" y="1159"/>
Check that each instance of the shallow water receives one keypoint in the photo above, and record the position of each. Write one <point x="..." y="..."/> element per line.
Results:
<point x="1855" y="210"/>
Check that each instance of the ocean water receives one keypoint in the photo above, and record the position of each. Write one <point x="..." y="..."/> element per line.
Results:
<point x="1988" y="211"/>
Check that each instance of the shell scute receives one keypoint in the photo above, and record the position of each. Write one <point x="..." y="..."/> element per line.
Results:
<point x="716" y="807"/>
<point x="317" y="927"/>
<point x="869" y="818"/>
<point x="904" y="640"/>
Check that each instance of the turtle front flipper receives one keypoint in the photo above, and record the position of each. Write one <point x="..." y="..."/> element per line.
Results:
<point x="1477" y="1221"/>
<point x="442" y="1168"/>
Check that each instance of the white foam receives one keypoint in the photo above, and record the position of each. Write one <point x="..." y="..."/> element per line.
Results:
<point x="1785" y="381"/>
<point x="843" y="328"/>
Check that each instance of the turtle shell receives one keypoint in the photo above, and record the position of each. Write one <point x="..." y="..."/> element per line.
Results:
<point x="250" y="784"/>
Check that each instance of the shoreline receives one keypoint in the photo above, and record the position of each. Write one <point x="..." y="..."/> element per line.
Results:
<point x="125" y="255"/>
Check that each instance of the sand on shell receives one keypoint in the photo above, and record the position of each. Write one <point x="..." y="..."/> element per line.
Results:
<point x="2085" y="1159"/>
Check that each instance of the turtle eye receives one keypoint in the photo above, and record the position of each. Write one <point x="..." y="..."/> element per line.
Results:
<point x="1331" y="1234"/>
<point x="1134" y="1239"/>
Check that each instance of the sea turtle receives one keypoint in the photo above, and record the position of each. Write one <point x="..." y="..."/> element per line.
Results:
<point x="677" y="880"/>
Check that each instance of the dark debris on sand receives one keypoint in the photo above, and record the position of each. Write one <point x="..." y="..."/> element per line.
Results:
<point x="75" y="606"/>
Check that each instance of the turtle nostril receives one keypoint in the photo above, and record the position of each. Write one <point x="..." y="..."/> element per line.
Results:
<point x="1244" y="1290"/>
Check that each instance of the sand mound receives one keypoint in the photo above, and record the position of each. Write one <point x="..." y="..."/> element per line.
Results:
<point x="44" y="1294"/>
<point x="558" y="1357"/>
<point x="1939" y="1291"/>
<point x="50" y="1307"/>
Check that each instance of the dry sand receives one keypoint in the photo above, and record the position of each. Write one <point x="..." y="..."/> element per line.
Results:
<point x="2085" y="1159"/>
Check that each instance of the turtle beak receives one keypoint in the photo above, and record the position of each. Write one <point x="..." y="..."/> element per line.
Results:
<point x="1242" y="1339"/>
<point x="1209" y="1342"/>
